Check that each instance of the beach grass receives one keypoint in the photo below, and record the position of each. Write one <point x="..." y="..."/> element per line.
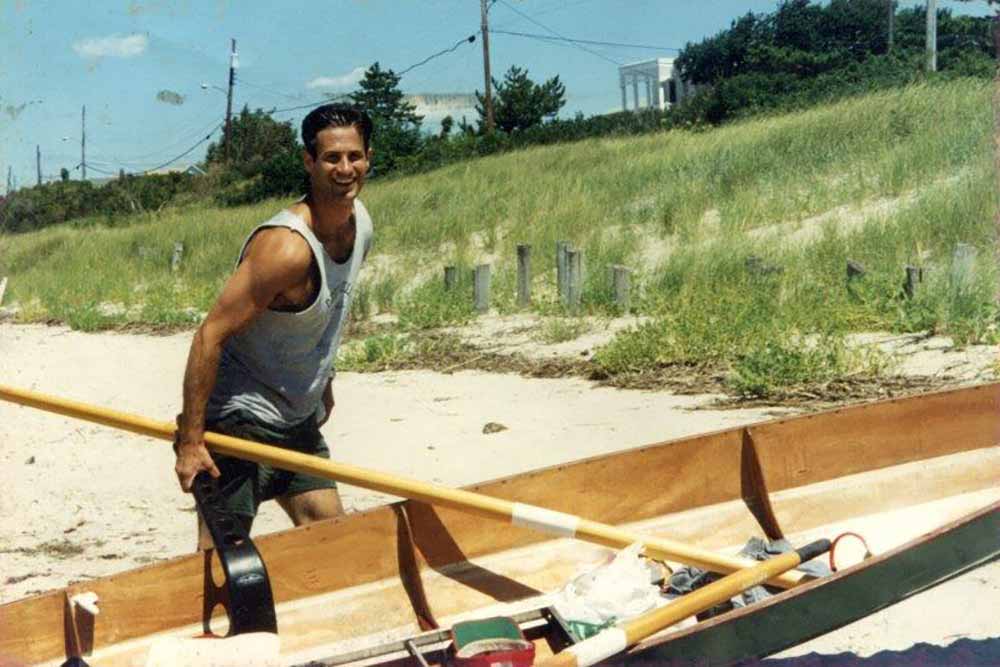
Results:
<point x="738" y="240"/>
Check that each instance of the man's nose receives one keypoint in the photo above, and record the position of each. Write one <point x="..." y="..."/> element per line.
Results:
<point x="343" y="165"/>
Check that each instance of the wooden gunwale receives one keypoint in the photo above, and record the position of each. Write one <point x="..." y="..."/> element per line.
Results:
<point x="793" y="451"/>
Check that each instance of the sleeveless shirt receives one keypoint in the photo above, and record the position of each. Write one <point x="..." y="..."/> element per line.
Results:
<point x="278" y="367"/>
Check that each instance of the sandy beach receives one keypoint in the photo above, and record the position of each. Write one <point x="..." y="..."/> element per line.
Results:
<point x="82" y="501"/>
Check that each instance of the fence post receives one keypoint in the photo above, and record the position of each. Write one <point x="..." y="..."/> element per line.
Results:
<point x="3" y="288"/>
<point x="523" y="275"/>
<point x="574" y="277"/>
<point x="481" y="288"/>
<point x="913" y="276"/>
<point x="450" y="277"/>
<point x="175" y="260"/>
<point x="562" y="271"/>
<point x="963" y="267"/>
<point x="621" y="284"/>
<point x="854" y="270"/>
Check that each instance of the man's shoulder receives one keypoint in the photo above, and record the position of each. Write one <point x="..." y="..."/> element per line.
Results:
<point x="361" y="213"/>
<point x="282" y="245"/>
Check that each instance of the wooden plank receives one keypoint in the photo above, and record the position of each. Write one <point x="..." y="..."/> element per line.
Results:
<point x="800" y="451"/>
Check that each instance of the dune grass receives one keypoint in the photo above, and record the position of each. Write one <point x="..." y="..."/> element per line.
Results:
<point x="925" y="148"/>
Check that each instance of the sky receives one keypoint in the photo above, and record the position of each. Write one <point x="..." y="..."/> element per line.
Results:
<point x="139" y="65"/>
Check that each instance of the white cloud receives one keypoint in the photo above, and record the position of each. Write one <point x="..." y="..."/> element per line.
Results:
<point x="348" y="79"/>
<point x="114" y="46"/>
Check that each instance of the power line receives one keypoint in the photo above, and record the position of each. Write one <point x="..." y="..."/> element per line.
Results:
<point x="467" y="40"/>
<point x="311" y="105"/>
<point x="240" y="80"/>
<point x="187" y="136"/>
<point x="548" y="10"/>
<point x="548" y="29"/>
<point x="90" y="165"/>
<point x="200" y="142"/>
<point x="584" y="41"/>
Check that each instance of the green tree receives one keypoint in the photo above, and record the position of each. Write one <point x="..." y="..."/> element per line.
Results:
<point x="447" y="123"/>
<point x="520" y="103"/>
<point x="64" y="174"/>
<point x="397" y="126"/>
<point x="256" y="139"/>
<point x="380" y="96"/>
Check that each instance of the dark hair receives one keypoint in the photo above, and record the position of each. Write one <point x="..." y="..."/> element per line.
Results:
<point x="334" y="115"/>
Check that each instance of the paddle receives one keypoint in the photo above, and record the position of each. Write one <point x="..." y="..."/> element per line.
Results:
<point x="614" y="640"/>
<point x="518" y="514"/>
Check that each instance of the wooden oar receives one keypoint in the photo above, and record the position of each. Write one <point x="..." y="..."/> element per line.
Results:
<point x="616" y="639"/>
<point x="518" y="514"/>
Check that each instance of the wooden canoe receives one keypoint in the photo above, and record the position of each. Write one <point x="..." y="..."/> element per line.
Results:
<point x="918" y="477"/>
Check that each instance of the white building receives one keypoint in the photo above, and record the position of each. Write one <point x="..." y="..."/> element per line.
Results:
<point x="659" y="80"/>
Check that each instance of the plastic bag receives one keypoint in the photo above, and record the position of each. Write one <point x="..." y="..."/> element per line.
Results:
<point x="611" y="592"/>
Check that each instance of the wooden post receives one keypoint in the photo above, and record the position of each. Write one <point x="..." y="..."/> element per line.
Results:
<point x="481" y="288"/>
<point x="3" y="288"/>
<point x="562" y="271"/>
<point x="523" y="275"/>
<point x="621" y="283"/>
<point x="175" y="261"/>
<point x="450" y="277"/>
<point x="963" y="267"/>
<point x="574" y="278"/>
<point x="913" y="275"/>
<point x="854" y="270"/>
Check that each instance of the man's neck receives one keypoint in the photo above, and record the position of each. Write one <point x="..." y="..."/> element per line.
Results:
<point x="330" y="219"/>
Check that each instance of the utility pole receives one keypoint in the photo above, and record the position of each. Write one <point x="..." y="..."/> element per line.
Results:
<point x="229" y="100"/>
<point x="892" y="23"/>
<point x="83" y="144"/>
<point x="931" y="35"/>
<point x="488" y="97"/>
<point x="10" y="179"/>
<point x="38" y="162"/>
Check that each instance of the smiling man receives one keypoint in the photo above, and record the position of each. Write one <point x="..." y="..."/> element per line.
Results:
<point x="261" y="365"/>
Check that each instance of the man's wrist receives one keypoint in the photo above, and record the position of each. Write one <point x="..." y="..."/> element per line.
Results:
<point x="187" y="442"/>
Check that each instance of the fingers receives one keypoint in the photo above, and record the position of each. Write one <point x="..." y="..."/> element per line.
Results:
<point x="185" y="478"/>
<point x="190" y="463"/>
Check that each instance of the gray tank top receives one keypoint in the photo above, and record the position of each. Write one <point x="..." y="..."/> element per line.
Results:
<point x="279" y="366"/>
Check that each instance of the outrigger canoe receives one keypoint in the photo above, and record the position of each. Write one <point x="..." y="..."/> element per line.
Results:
<point x="918" y="478"/>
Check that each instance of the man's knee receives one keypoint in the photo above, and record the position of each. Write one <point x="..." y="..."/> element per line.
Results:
<point x="312" y="506"/>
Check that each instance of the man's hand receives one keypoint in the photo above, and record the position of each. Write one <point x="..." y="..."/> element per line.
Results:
<point x="327" y="402"/>
<point x="192" y="458"/>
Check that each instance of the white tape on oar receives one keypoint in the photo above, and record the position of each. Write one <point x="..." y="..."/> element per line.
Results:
<point x="547" y="521"/>
<point x="600" y="647"/>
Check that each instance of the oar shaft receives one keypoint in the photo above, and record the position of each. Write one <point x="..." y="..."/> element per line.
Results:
<point x="614" y="640"/>
<point x="519" y="514"/>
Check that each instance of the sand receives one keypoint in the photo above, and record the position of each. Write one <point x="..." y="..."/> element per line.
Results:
<point x="81" y="501"/>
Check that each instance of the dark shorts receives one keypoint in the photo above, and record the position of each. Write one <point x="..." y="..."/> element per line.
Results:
<point x="246" y="484"/>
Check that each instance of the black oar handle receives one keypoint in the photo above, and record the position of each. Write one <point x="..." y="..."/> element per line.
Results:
<point x="813" y="549"/>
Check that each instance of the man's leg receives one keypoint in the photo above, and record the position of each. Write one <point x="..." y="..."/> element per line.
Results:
<point x="309" y="506"/>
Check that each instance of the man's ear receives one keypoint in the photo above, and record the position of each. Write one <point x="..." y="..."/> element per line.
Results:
<point x="368" y="158"/>
<point x="307" y="160"/>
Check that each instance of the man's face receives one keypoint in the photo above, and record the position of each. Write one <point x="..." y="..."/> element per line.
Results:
<point x="341" y="163"/>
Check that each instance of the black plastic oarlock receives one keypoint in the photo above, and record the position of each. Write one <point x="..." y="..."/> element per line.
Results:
<point x="247" y="593"/>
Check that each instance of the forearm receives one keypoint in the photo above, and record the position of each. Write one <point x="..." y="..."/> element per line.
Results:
<point x="199" y="380"/>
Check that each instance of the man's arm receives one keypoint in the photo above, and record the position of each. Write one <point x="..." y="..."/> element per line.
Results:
<point x="276" y="260"/>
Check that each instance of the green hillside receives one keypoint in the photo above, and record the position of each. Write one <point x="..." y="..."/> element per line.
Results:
<point x="891" y="179"/>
